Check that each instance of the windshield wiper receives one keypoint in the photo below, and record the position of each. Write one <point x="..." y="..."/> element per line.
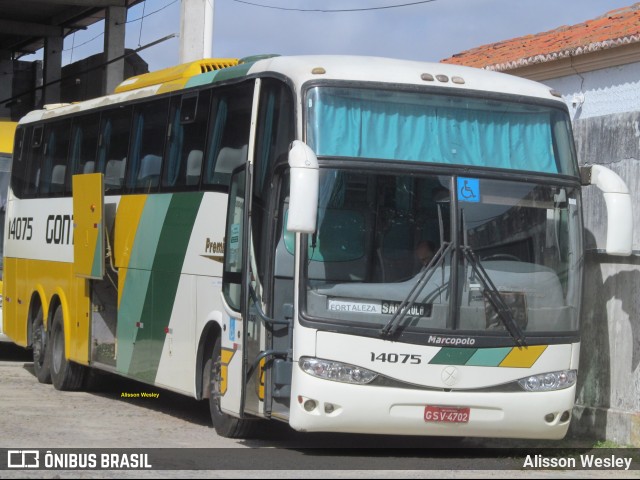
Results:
<point x="492" y="293"/>
<point x="424" y="276"/>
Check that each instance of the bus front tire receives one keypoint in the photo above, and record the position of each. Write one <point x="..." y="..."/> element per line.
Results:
<point x="39" y="346"/>
<point x="65" y="375"/>
<point x="224" y="425"/>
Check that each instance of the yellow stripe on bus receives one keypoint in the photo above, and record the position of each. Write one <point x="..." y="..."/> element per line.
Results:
<point x="178" y="73"/>
<point x="226" y="355"/>
<point x="523" y="357"/>
<point x="127" y="220"/>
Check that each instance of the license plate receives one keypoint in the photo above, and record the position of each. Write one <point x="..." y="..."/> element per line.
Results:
<point x="433" y="413"/>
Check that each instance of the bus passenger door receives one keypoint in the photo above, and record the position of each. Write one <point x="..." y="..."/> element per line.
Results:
<point x="88" y="244"/>
<point x="243" y="341"/>
<point x="89" y="262"/>
<point x="233" y="353"/>
<point x="253" y="226"/>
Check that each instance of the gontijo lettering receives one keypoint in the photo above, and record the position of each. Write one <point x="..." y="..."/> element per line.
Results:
<point x="59" y="229"/>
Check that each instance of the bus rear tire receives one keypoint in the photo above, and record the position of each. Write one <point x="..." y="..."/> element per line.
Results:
<point x="65" y="375"/>
<point x="39" y="346"/>
<point x="224" y="425"/>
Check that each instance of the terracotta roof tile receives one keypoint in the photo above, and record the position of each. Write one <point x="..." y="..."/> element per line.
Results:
<point x="615" y="28"/>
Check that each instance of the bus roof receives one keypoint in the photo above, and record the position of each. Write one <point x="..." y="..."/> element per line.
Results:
<point x="301" y="69"/>
<point x="385" y="70"/>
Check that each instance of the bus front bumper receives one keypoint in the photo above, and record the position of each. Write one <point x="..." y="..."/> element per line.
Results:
<point x="341" y="407"/>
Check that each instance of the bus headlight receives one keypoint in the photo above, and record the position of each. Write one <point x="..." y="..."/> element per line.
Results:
<point x="549" y="381"/>
<point x="336" y="371"/>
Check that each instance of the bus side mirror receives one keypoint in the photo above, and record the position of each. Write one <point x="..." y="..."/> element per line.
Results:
<point x="618" y="202"/>
<point x="303" y="192"/>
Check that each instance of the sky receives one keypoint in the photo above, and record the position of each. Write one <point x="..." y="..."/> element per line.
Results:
<point x="430" y="30"/>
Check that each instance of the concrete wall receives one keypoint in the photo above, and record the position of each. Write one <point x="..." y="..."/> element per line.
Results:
<point x="6" y="73"/>
<point x="84" y="79"/>
<point x="605" y="109"/>
<point x="17" y="83"/>
<point x="605" y="92"/>
<point x="609" y="378"/>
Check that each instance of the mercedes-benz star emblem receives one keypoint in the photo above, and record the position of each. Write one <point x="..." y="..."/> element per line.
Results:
<point x="449" y="376"/>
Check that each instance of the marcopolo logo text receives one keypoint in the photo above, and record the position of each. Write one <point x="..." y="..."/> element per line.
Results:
<point x="437" y="340"/>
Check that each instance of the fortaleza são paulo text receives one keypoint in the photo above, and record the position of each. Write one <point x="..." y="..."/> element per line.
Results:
<point x="588" y="461"/>
<point x="139" y="395"/>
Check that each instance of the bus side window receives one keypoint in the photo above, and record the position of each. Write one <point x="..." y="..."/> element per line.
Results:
<point x="115" y="128"/>
<point x="33" y="163"/>
<point x="274" y="134"/>
<point x="186" y="140"/>
<point x="54" y="165"/>
<point x="84" y="143"/>
<point x="18" y="144"/>
<point x="228" y="134"/>
<point x="233" y="260"/>
<point x="20" y="164"/>
<point x="149" y="133"/>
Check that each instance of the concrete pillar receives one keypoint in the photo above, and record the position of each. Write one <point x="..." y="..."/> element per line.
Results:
<point x="6" y="73"/>
<point x="196" y="30"/>
<point x="114" y="30"/>
<point x="52" y="69"/>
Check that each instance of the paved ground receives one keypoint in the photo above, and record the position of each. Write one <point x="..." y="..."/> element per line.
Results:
<point x="36" y="416"/>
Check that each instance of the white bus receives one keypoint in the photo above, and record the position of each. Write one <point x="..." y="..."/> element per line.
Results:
<point x="344" y="244"/>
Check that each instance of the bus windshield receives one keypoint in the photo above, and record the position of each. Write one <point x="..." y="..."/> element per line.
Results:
<point x="440" y="129"/>
<point x="515" y="243"/>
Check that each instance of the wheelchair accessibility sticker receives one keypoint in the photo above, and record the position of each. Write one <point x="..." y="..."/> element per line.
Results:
<point x="468" y="189"/>
<point x="232" y="329"/>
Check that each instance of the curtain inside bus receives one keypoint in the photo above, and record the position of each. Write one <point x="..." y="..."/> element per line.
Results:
<point x="406" y="126"/>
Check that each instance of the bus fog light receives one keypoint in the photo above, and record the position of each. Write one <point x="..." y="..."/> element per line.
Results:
<point x="549" y="381"/>
<point x="336" y="371"/>
<point x="549" y="417"/>
<point x="329" y="407"/>
<point x="566" y="415"/>
<point x="310" y="405"/>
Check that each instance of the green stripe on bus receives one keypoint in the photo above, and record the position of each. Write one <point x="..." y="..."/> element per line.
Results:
<point x="488" y="357"/>
<point x="453" y="356"/>
<point x="165" y="276"/>
<point x="219" y="75"/>
<point x="138" y="279"/>
<point x="96" y="266"/>
<point x="149" y="230"/>
<point x="129" y="316"/>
